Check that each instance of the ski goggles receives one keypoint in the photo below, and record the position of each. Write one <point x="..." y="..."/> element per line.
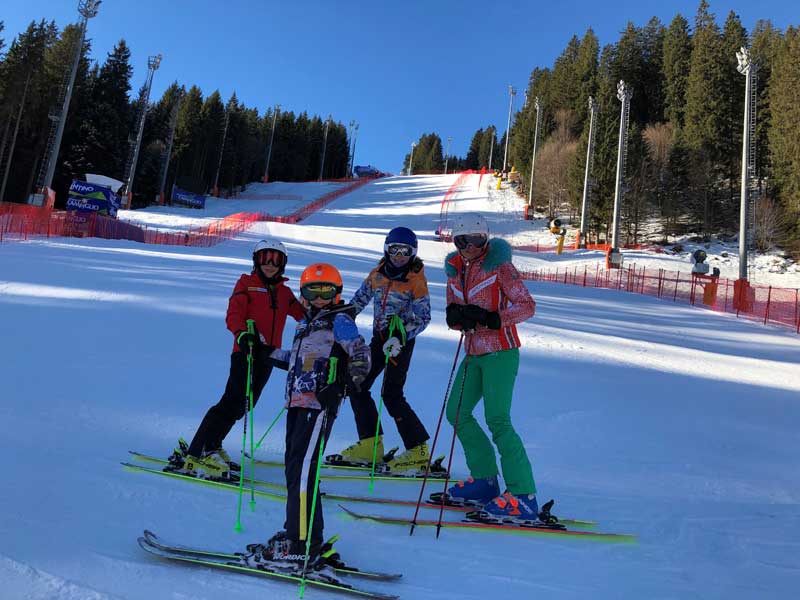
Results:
<point x="271" y="257"/>
<point x="399" y="250"/>
<point x="476" y="240"/>
<point x="326" y="291"/>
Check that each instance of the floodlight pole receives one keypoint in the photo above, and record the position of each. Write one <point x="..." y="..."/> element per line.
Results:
<point x="447" y="154"/>
<point x="88" y="10"/>
<point x="511" y="93"/>
<point x="588" y="174"/>
<point x="271" y="136"/>
<point x="324" y="147"/>
<point x="747" y="68"/>
<point x="624" y="95"/>
<point x="533" y="155"/>
<point x="411" y="159"/>
<point x="153" y="62"/>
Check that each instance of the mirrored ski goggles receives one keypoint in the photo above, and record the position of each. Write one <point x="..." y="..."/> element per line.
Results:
<point x="476" y="240"/>
<point x="271" y="257"/>
<point x="399" y="250"/>
<point x="326" y="291"/>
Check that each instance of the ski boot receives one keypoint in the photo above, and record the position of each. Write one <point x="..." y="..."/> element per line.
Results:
<point x="472" y="492"/>
<point x="359" y="454"/>
<point x="509" y="508"/>
<point x="412" y="461"/>
<point x="209" y="466"/>
<point x="178" y="456"/>
<point x="235" y="467"/>
<point x="282" y="555"/>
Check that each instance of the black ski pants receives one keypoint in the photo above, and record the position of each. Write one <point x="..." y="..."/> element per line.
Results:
<point x="220" y="418"/>
<point x="410" y="428"/>
<point x="306" y="429"/>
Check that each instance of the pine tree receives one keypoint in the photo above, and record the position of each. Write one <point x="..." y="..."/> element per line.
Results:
<point x="677" y="55"/>
<point x="472" y="158"/>
<point x="109" y="119"/>
<point x="586" y="73"/>
<point x="734" y="37"/>
<point x="653" y="70"/>
<point x="188" y="150"/>
<point x="765" y="45"/>
<point x="706" y="103"/>
<point x="784" y="134"/>
<point x="488" y="148"/>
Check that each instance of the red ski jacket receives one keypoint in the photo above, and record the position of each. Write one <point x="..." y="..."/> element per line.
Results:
<point x="268" y="306"/>
<point x="493" y="283"/>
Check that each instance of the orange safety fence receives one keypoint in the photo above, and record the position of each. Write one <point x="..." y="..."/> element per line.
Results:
<point x="767" y="304"/>
<point x="22" y="221"/>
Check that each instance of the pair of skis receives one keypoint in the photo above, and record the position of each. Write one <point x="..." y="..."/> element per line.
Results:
<point x="232" y="562"/>
<point x="230" y="484"/>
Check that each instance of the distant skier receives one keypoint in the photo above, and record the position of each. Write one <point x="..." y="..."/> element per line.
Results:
<point x="263" y="297"/>
<point x="328" y="356"/>
<point x="401" y="311"/>
<point x="486" y="299"/>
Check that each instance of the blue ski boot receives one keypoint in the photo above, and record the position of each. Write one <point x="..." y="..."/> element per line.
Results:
<point x="508" y="508"/>
<point x="472" y="492"/>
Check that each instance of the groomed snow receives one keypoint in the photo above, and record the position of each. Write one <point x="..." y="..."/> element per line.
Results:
<point x="673" y="423"/>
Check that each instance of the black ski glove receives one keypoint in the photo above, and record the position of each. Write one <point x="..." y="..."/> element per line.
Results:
<point x="474" y="313"/>
<point x="453" y="314"/>
<point x="245" y="338"/>
<point x="493" y="320"/>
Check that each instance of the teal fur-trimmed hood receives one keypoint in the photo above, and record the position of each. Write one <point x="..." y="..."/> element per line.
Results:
<point x="499" y="253"/>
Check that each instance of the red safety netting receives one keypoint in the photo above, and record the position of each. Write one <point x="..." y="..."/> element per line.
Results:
<point x="21" y="221"/>
<point x="763" y="303"/>
<point x="443" y="230"/>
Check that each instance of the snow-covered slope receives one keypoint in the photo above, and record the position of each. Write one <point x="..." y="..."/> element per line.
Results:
<point x="676" y="424"/>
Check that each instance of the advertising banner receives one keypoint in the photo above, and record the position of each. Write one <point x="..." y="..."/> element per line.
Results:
<point x="91" y="197"/>
<point x="184" y="198"/>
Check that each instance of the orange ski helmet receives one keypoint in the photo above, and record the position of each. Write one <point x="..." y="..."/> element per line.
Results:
<point x="322" y="273"/>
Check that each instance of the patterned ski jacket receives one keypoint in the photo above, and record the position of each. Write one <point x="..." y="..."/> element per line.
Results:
<point x="267" y="305"/>
<point x="406" y="297"/>
<point x="491" y="282"/>
<point x="323" y="346"/>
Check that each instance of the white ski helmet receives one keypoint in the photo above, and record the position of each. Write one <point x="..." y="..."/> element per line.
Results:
<point x="467" y="223"/>
<point x="269" y="244"/>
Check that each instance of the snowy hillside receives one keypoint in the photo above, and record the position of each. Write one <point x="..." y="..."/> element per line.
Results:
<point x="678" y="425"/>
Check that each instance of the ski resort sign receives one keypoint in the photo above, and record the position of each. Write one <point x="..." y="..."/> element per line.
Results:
<point x="185" y="198"/>
<point x="91" y="197"/>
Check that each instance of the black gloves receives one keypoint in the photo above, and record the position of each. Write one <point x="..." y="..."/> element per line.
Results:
<point x="470" y="315"/>
<point x="245" y="339"/>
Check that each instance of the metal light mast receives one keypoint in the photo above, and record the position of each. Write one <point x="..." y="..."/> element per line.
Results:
<point x="588" y="174"/>
<point x="749" y="69"/>
<point x="447" y="154"/>
<point x="511" y="93"/>
<point x="271" y="136"/>
<point x="88" y="10"/>
<point x="624" y="95"/>
<point x="533" y="156"/>
<point x="173" y="122"/>
<point x="411" y="159"/>
<point x="221" y="153"/>
<point x="324" y="147"/>
<point x="153" y="62"/>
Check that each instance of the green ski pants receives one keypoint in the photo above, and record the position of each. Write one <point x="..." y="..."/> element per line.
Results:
<point x="491" y="377"/>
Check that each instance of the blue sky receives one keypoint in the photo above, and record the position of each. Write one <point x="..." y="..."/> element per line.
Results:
<point x="399" y="69"/>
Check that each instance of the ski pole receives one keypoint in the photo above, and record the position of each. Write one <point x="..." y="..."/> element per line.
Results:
<point x="394" y="323"/>
<point x="271" y="425"/>
<point x="251" y="327"/>
<point x="453" y="442"/>
<point x="247" y="404"/>
<point x="314" y="500"/>
<point x="436" y="435"/>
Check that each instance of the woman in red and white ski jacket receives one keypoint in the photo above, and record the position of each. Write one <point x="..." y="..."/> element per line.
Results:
<point x="493" y="283"/>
